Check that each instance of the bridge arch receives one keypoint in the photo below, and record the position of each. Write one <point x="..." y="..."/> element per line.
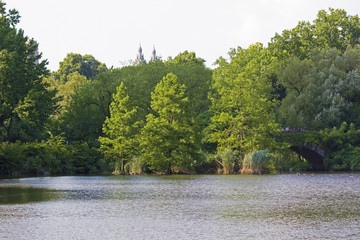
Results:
<point x="313" y="153"/>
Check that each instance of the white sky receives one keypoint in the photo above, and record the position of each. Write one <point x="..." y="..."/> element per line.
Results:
<point x="111" y="30"/>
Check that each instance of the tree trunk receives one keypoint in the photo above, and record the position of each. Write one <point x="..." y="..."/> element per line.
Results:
<point x="122" y="167"/>
<point x="8" y="130"/>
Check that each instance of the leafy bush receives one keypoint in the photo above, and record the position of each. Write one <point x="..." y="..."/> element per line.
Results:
<point x="206" y="163"/>
<point x="345" y="159"/>
<point x="136" y="165"/>
<point x="54" y="156"/>
<point x="84" y="158"/>
<point x="57" y="157"/>
<point x="247" y="164"/>
<point x="228" y="160"/>
<point x="354" y="158"/>
<point x="341" y="144"/>
<point x="12" y="158"/>
<point x="258" y="163"/>
<point x="286" y="160"/>
<point x="35" y="162"/>
<point x="34" y="165"/>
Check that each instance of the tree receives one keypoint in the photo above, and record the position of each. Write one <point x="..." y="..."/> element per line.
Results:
<point x="295" y="76"/>
<point x="242" y="102"/>
<point x="336" y="29"/>
<point x="64" y="91"/>
<point x="119" y="130"/>
<point x="84" y="116"/>
<point x="75" y="70"/>
<point x="85" y="65"/>
<point x="168" y="139"/>
<point x="141" y="81"/>
<point x="342" y="147"/>
<point x="25" y="103"/>
<point x="329" y="92"/>
<point x="186" y="58"/>
<point x="332" y="29"/>
<point x="197" y="79"/>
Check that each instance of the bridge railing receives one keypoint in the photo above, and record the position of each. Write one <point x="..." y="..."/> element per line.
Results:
<point x="294" y="130"/>
<point x="297" y="136"/>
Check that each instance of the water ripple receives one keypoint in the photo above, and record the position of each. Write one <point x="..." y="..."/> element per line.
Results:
<point x="181" y="207"/>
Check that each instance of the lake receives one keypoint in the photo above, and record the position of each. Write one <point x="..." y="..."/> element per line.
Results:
<point x="288" y="206"/>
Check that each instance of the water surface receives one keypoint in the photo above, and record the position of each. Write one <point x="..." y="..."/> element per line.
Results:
<point x="181" y="207"/>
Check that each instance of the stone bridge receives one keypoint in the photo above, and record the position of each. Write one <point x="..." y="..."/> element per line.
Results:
<point x="302" y="143"/>
<point x="312" y="153"/>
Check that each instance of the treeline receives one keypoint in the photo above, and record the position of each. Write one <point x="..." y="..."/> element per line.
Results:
<point x="177" y="115"/>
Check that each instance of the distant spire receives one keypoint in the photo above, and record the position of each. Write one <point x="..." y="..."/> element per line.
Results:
<point x="153" y="58"/>
<point x="140" y="57"/>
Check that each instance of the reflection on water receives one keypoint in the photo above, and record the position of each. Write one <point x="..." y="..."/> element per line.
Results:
<point x="181" y="207"/>
<point x="22" y="195"/>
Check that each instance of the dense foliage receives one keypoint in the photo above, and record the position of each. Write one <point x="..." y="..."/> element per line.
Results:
<point x="119" y="130"/>
<point x="168" y="140"/>
<point x="322" y="90"/>
<point x="25" y="103"/>
<point x="178" y="115"/>
<point x="243" y="117"/>
<point x="343" y="147"/>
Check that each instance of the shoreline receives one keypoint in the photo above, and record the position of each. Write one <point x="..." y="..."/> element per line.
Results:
<point x="310" y="173"/>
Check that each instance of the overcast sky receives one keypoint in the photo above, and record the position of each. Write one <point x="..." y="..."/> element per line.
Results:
<point x="111" y="30"/>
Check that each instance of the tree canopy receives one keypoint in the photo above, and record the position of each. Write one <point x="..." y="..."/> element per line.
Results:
<point x="179" y="115"/>
<point x="242" y="103"/>
<point x="25" y="103"/>
<point x="119" y="129"/>
<point x="186" y="57"/>
<point x="323" y="90"/>
<point x="332" y="29"/>
<point x="168" y="139"/>
<point x="85" y="65"/>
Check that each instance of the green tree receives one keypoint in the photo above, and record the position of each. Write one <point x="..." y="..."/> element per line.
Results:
<point x="89" y="106"/>
<point x="64" y="91"/>
<point x="197" y="79"/>
<point x="332" y="29"/>
<point x="119" y="129"/>
<point x="295" y="76"/>
<point x="322" y="91"/>
<point x="242" y="102"/>
<point x="168" y="138"/>
<point x="25" y="103"/>
<point x="185" y="58"/>
<point x="342" y="147"/>
<point x="141" y="81"/>
<point x="74" y="71"/>
<point x="85" y="65"/>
